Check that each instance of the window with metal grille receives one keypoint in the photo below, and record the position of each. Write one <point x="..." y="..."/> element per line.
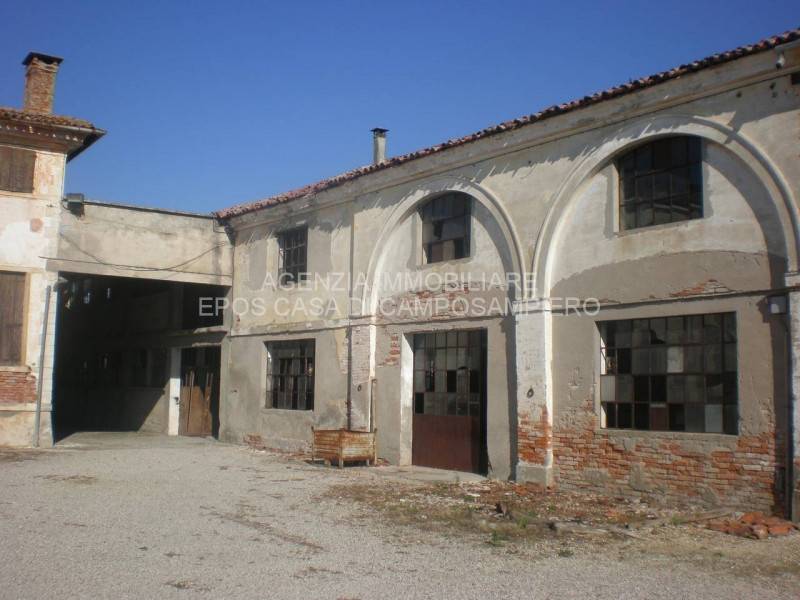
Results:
<point x="293" y="245"/>
<point x="12" y="311"/>
<point x="661" y="182"/>
<point x="670" y="373"/>
<point x="16" y="169"/>
<point x="448" y="372"/>
<point x="445" y="227"/>
<point x="290" y="375"/>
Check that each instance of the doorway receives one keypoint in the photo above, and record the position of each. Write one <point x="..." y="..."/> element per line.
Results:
<point x="449" y="422"/>
<point x="199" y="399"/>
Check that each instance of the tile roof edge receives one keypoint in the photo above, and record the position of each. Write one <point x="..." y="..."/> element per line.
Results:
<point x="16" y="114"/>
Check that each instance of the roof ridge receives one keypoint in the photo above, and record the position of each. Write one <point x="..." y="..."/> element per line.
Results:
<point x="551" y="111"/>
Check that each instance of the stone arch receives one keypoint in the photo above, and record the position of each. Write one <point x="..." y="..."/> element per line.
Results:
<point x="421" y="194"/>
<point x="622" y="140"/>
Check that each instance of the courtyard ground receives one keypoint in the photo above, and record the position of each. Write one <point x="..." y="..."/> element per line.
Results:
<point x="134" y="515"/>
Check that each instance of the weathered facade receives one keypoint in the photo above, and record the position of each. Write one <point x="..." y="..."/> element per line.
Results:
<point x="669" y="204"/>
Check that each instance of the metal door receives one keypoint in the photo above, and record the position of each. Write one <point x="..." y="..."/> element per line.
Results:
<point x="449" y="423"/>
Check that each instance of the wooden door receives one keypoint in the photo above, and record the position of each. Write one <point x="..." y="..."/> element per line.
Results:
<point x="449" y="422"/>
<point x="199" y="391"/>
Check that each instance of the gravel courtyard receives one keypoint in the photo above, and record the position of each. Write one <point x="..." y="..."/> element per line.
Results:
<point x="144" y="516"/>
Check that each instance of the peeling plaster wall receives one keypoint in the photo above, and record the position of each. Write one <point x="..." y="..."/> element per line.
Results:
<point x="28" y="228"/>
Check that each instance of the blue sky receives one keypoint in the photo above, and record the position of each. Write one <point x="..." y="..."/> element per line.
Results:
<point x="208" y="104"/>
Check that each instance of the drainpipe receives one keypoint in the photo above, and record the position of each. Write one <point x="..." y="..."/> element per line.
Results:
<point x="37" y="418"/>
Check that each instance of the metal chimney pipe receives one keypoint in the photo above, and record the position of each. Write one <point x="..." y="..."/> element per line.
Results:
<point x="378" y="145"/>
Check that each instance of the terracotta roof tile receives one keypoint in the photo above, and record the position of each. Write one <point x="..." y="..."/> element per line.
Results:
<point x="558" y="109"/>
<point x="43" y="119"/>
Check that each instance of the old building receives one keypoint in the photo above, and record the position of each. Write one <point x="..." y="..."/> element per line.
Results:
<point x="603" y="295"/>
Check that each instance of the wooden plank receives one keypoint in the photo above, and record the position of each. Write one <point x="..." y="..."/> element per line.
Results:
<point x="12" y="310"/>
<point x="16" y="169"/>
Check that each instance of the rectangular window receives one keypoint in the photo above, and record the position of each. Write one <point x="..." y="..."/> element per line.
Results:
<point x="290" y="375"/>
<point x="445" y="227"/>
<point x="12" y="311"/>
<point x="670" y="374"/>
<point x="449" y="372"/>
<point x="293" y="246"/>
<point x="661" y="182"/>
<point x="16" y="169"/>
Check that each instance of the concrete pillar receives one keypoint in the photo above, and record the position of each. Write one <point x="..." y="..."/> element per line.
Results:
<point x="793" y="468"/>
<point x="534" y="392"/>
<point x="362" y="368"/>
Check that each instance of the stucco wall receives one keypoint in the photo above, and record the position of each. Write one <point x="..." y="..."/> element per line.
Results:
<point x="28" y="226"/>
<point x="545" y="210"/>
<point x="104" y="239"/>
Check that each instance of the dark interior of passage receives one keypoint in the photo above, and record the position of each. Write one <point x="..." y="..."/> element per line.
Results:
<point x="113" y="338"/>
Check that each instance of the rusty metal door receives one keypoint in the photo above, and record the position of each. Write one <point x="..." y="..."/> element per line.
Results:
<point x="449" y="423"/>
<point x="199" y="399"/>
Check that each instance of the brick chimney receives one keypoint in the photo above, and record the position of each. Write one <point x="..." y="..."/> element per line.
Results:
<point x="40" y="82"/>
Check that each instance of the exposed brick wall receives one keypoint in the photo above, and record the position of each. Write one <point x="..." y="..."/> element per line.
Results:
<point x="16" y="386"/>
<point x="743" y="477"/>
<point x="740" y="473"/>
<point x="534" y="438"/>
<point x="393" y="356"/>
